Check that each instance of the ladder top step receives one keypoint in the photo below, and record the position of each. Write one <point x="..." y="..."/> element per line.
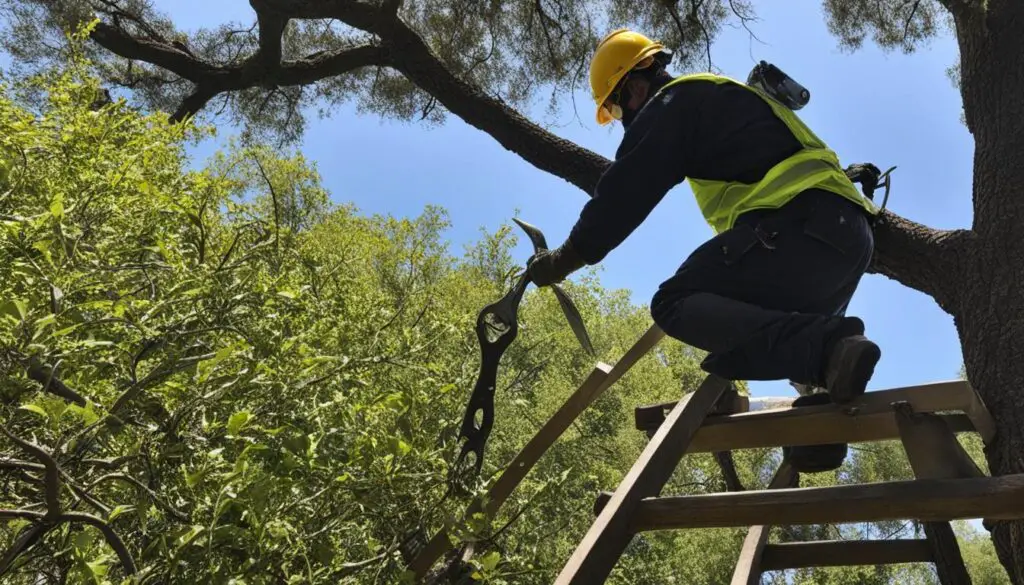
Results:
<point x="869" y="418"/>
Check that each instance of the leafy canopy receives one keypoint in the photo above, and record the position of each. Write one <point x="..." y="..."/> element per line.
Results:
<point x="269" y="72"/>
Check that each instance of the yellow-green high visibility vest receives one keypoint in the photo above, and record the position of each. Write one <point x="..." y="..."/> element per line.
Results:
<point x="814" y="166"/>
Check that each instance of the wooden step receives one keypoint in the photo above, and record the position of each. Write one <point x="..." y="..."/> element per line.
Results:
<point x="924" y="499"/>
<point x="836" y="553"/>
<point x="870" y="418"/>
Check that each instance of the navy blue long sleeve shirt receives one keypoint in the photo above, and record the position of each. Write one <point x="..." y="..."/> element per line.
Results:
<point x="693" y="129"/>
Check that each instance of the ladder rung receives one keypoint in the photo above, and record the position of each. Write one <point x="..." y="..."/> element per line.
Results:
<point x="924" y="499"/>
<point x="755" y="430"/>
<point x="836" y="553"/>
<point x="870" y="418"/>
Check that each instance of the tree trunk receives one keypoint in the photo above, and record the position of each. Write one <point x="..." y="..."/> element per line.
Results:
<point x="990" y="322"/>
<point x="989" y="306"/>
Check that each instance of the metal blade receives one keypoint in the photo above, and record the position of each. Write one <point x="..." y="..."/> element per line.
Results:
<point x="536" y="236"/>
<point x="574" y="318"/>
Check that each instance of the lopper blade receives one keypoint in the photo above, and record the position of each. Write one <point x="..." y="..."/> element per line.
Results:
<point x="536" y="236"/>
<point x="574" y="318"/>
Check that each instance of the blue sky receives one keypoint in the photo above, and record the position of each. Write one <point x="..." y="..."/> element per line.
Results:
<point x="887" y="108"/>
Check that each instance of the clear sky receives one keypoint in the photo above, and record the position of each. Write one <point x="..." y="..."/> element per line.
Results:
<point x="886" y="108"/>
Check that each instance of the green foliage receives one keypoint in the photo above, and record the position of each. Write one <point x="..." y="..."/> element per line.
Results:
<point x="271" y="385"/>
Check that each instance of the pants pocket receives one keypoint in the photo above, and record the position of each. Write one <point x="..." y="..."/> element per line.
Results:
<point x="836" y="226"/>
<point x="734" y="244"/>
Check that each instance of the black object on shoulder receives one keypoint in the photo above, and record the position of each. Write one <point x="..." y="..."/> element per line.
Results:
<point x="781" y="87"/>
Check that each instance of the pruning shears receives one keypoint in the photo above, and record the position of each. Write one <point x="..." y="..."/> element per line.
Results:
<point x="496" y="327"/>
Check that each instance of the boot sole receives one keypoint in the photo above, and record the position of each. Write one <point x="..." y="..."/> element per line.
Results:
<point x="853" y="379"/>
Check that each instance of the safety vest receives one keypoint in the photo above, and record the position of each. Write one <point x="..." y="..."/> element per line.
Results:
<point x="814" y="166"/>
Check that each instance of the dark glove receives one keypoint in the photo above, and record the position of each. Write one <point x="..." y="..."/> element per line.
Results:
<point x="867" y="175"/>
<point x="552" y="266"/>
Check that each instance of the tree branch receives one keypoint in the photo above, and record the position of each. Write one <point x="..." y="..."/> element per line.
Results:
<point x="323" y="65"/>
<point x="919" y="257"/>
<point x="178" y="515"/>
<point x="191" y="105"/>
<point x="51" y="383"/>
<point x="412" y="57"/>
<point x="52" y="485"/>
<point x="115" y="542"/>
<point x="19" y="464"/>
<point x="271" y="27"/>
<point x="24" y="542"/>
<point x="119" y="42"/>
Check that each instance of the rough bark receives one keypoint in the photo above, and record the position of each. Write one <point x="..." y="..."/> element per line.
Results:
<point x="990" y="305"/>
<point x="990" y="323"/>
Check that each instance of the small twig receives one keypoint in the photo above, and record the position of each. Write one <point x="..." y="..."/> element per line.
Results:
<point x="273" y="195"/>
<point x="906" y="26"/>
<point x="52" y="485"/>
<point x="24" y="542"/>
<point x="84" y="495"/>
<point x="178" y="515"/>
<point x="113" y="539"/>
<point x="19" y="464"/>
<point x="693" y="16"/>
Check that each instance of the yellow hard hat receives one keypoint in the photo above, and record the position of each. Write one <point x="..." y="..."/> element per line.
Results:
<point x="616" y="55"/>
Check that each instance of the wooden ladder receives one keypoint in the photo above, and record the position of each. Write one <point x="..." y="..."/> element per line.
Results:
<point x="947" y="485"/>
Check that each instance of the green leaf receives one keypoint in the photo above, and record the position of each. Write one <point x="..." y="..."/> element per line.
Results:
<point x="87" y="413"/>
<point x="65" y="331"/>
<point x="237" y="421"/>
<point x="187" y="538"/>
<point x="490" y="560"/>
<point x="36" y="409"/>
<point x="17" y="524"/>
<point x="57" y="206"/>
<point x="400" y="447"/>
<point x="97" y="570"/>
<point x="82" y="539"/>
<point x="15" y="308"/>
<point x="118" y="510"/>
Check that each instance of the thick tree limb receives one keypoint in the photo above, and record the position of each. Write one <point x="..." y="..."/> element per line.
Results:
<point x="920" y="257"/>
<point x="271" y="27"/>
<point x="324" y="65"/>
<point x="119" y="42"/>
<point x="196" y="101"/>
<point x="265" y="68"/>
<point x="411" y="56"/>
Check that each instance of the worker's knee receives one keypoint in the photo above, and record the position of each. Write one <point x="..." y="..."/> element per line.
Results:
<point x="665" y="306"/>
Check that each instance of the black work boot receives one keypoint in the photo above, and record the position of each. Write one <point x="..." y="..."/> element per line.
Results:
<point x="815" y="458"/>
<point x="850" y="360"/>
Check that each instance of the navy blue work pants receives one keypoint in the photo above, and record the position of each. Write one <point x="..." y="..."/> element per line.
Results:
<point x="764" y="297"/>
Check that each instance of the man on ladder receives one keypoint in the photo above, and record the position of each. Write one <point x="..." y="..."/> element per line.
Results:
<point x="766" y="297"/>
